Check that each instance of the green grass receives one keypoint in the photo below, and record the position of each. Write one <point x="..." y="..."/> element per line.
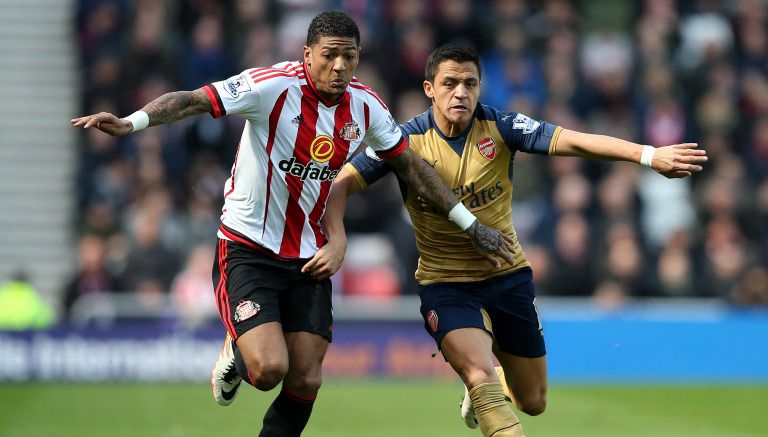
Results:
<point x="383" y="408"/>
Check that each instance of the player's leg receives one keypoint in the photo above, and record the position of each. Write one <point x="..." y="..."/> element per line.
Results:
<point x="468" y="350"/>
<point x="525" y="381"/>
<point x="291" y="410"/>
<point x="247" y="298"/>
<point x="454" y="317"/>
<point x="307" y="320"/>
<point x="519" y="341"/>
<point x="264" y="354"/>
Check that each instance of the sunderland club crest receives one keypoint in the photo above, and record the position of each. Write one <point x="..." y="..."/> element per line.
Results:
<point x="245" y="310"/>
<point x="350" y="131"/>
<point x="487" y="148"/>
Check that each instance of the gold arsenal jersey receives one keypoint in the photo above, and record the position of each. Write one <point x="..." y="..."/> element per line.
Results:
<point x="477" y="166"/>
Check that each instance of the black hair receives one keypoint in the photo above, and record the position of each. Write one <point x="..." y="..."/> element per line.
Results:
<point x="332" y="23"/>
<point x="450" y="52"/>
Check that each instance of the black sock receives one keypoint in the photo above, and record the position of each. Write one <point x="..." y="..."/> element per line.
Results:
<point x="287" y="416"/>
<point x="240" y="365"/>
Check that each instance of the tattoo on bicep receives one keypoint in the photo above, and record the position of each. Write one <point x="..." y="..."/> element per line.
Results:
<point x="176" y="105"/>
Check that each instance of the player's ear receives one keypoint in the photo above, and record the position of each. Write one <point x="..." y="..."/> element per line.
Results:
<point x="428" y="91"/>
<point x="308" y="56"/>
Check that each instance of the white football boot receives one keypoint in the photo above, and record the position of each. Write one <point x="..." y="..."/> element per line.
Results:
<point x="467" y="411"/>
<point x="224" y="378"/>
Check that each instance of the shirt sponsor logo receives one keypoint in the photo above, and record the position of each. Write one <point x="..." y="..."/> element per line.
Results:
<point x="487" y="148"/>
<point x="471" y="196"/>
<point x="236" y="86"/>
<point x="309" y="171"/>
<point x="527" y="124"/>
<point x="245" y="310"/>
<point x="350" y="131"/>
<point x="321" y="149"/>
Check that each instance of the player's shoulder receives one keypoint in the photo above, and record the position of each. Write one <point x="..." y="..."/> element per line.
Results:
<point x="282" y="71"/>
<point x="363" y="92"/>
<point x="485" y="112"/>
<point x="419" y="124"/>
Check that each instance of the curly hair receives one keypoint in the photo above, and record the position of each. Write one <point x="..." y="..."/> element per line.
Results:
<point x="332" y="23"/>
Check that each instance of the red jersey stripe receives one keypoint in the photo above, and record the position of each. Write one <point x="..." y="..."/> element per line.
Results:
<point x="294" y="215"/>
<point x="274" y="116"/>
<point x="342" y="116"/>
<point x="242" y="239"/>
<point x="261" y="70"/>
<point x="267" y="70"/>
<point x="369" y="91"/>
<point x="213" y="96"/>
<point x="274" y="75"/>
<point x="222" y="295"/>
<point x="394" y="151"/>
<point x="232" y="174"/>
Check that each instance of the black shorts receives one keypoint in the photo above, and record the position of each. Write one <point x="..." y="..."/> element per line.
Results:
<point x="505" y="306"/>
<point x="253" y="288"/>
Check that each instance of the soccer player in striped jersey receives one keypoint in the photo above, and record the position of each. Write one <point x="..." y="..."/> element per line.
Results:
<point x="476" y="312"/>
<point x="303" y="121"/>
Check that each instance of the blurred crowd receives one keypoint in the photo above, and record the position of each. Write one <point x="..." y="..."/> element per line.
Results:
<point x="653" y="71"/>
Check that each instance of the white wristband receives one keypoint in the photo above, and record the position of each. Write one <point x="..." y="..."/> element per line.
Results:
<point x="646" y="158"/>
<point x="139" y="120"/>
<point x="461" y="216"/>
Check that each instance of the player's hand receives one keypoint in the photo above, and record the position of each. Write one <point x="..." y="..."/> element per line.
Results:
<point x="105" y="122"/>
<point x="679" y="160"/>
<point x="327" y="260"/>
<point x="492" y="244"/>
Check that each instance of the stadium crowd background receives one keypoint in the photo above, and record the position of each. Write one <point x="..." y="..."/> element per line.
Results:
<point x="654" y="71"/>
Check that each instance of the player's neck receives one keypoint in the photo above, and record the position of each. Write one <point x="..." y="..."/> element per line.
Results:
<point x="448" y="129"/>
<point x="330" y="98"/>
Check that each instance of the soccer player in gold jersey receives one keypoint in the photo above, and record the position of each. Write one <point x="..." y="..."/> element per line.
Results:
<point x="476" y="310"/>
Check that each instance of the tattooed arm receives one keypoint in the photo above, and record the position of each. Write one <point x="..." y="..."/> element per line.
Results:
<point x="167" y="108"/>
<point x="424" y="179"/>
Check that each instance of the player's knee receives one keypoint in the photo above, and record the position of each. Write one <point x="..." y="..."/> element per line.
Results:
<point x="532" y="405"/>
<point x="304" y="381"/>
<point x="307" y="384"/>
<point x="476" y="375"/>
<point x="266" y="375"/>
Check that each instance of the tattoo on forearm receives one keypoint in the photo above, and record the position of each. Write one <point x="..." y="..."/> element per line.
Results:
<point x="175" y="106"/>
<point x="425" y="180"/>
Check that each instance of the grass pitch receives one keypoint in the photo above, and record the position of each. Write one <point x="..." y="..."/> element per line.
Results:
<point x="379" y="408"/>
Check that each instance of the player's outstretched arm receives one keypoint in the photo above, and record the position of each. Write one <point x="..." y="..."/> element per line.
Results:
<point x="424" y="179"/>
<point x="674" y="161"/>
<point x="167" y="108"/>
<point x="328" y="259"/>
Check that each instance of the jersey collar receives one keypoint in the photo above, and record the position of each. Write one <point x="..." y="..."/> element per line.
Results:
<point x="317" y="95"/>
<point x="460" y="136"/>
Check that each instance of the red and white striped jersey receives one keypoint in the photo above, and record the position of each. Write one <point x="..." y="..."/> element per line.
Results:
<point x="293" y="145"/>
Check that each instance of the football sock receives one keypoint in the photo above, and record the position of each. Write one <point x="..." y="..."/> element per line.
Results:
<point x="287" y="416"/>
<point x="493" y="414"/>
<point x="500" y="372"/>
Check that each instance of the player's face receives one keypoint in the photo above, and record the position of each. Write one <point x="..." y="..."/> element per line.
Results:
<point x="454" y="94"/>
<point x="331" y="62"/>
